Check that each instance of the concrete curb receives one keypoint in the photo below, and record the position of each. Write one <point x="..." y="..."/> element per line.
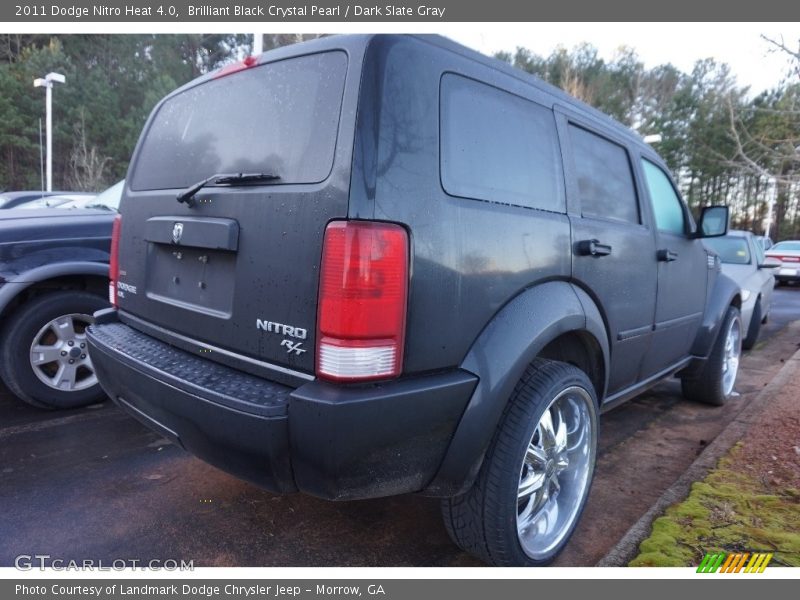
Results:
<point x="628" y="547"/>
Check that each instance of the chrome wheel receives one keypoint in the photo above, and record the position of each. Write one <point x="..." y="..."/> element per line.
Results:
<point x="731" y="354"/>
<point x="555" y="472"/>
<point x="59" y="355"/>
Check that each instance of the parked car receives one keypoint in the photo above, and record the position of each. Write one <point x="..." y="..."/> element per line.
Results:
<point x="412" y="269"/>
<point x="55" y="201"/>
<point x="743" y="260"/>
<point x="15" y="199"/>
<point x="53" y="277"/>
<point x="788" y="254"/>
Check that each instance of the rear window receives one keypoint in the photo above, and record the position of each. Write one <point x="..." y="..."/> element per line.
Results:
<point x="499" y="147"/>
<point x="279" y="118"/>
<point x="731" y="250"/>
<point x="786" y="247"/>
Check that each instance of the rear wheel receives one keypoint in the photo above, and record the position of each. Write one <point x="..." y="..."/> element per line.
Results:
<point x="536" y="475"/>
<point x="714" y="384"/>
<point x="755" y="327"/>
<point x="44" y="359"/>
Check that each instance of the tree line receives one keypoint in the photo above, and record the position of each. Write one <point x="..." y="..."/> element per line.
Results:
<point x="723" y="143"/>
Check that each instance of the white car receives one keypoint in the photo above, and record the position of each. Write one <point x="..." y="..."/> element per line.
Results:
<point x="744" y="261"/>
<point x="788" y="253"/>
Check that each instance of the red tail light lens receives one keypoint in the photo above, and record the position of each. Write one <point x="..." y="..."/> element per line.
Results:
<point x="362" y="301"/>
<point x="113" y="263"/>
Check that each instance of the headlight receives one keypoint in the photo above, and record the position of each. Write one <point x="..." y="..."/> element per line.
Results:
<point x="745" y="295"/>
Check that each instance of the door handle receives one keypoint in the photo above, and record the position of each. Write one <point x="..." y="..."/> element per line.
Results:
<point x="666" y="255"/>
<point x="593" y="248"/>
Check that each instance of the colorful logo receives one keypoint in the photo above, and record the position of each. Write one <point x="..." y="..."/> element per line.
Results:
<point x="735" y="562"/>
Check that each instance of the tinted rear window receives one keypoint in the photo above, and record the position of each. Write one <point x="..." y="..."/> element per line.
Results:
<point x="499" y="147"/>
<point x="277" y="118"/>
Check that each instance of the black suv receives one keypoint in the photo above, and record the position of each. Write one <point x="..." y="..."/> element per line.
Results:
<point x="374" y="265"/>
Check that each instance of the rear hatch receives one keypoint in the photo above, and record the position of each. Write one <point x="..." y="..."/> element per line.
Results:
<point x="239" y="270"/>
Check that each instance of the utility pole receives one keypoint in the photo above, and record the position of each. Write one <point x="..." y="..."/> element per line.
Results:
<point x="47" y="83"/>
<point x="41" y="155"/>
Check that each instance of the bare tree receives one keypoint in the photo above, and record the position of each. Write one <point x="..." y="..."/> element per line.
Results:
<point x="766" y="139"/>
<point x="86" y="165"/>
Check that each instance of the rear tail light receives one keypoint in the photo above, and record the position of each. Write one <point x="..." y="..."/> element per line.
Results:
<point x="362" y="301"/>
<point x="787" y="258"/>
<point x="113" y="263"/>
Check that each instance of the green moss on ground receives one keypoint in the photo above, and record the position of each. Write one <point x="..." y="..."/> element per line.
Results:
<point x="730" y="512"/>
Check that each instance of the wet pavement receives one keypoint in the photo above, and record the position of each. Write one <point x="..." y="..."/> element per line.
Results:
<point x="95" y="484"/>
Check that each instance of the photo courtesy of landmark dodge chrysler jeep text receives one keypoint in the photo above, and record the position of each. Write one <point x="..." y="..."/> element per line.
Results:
<point x="375" y="265"/>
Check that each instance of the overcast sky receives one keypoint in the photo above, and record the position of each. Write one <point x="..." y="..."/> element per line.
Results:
<point x="738" y="44"/>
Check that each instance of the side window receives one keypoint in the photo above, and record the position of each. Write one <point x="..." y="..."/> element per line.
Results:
<point x="605" y="179"/>
<point x="667" y="206"/>
<point x="498" y="147"/>
<point x="760" y="256"/>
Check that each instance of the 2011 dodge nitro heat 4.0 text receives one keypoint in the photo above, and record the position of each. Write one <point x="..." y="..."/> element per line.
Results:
<point x="410" y="269"/>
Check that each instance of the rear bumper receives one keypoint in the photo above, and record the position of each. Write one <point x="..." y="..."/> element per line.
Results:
<point x="787" y="272"/>
<point x="331" y="441"/>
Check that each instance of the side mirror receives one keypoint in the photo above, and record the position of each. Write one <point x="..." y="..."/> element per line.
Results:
<point x="713" y="222"/>
<point x="770" y="263"/>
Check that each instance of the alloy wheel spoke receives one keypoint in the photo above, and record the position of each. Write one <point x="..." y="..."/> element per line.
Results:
<point x="66" y="376"/>
<point x="64" y="328"/>
<point x="554" y="484"/>
<point x="562" y="461"/>
<point x="547" y="430"/>
<point x="530" y="484"/>
<point x="535" y="456"/>
<point x="561" y="432"/>
<point x="42" y="355"/>
<point x="523" y="517"/>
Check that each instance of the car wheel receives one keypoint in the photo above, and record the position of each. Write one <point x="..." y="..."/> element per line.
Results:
<point x="44" y="359"/>
<point x="714" y="384"/>
<point x="536" y="475"/>
<point x="755" y="327"/>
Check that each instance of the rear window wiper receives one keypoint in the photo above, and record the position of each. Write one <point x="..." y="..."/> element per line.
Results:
<point x="188" y="194"/>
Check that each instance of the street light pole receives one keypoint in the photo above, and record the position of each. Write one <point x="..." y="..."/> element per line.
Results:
<point x="47" y="83"/>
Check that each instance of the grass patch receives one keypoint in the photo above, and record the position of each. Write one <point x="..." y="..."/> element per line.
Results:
<point x="729" y="511"/>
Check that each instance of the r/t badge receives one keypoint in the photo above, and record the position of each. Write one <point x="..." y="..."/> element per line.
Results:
<point x="293" y="347"/>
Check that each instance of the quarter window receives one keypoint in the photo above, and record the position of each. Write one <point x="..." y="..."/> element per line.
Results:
<point x="498" y="147"/>
<point x="667" y="206"/>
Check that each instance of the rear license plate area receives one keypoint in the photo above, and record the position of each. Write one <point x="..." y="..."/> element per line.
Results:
<point x="197" y="279"/>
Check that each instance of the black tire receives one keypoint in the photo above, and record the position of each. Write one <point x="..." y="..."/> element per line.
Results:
<point x="17" y="337"/>
<point x="483" y="521"/>
<point x="755" y="327"/>
<point x="707" y="386"/>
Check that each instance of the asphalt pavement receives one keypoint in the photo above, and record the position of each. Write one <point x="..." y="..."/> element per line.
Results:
<point x="93" y="483"/>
